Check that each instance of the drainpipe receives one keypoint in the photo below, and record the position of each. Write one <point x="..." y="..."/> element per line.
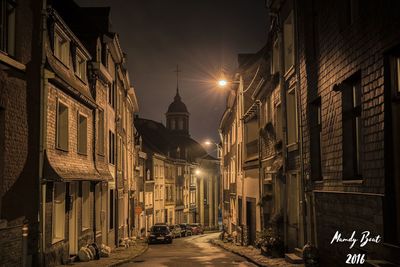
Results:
<point x="42" y="141"/>
<point x="303" y="201"/>
<point x="284" y="122"/>
<point x="116" y="195"/>
<point x="260" y="176"/>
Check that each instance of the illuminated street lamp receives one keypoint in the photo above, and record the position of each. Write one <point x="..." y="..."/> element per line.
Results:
<point x="209" y="143"/>
<point x="197" y="171"/>
<point x="222" y="83"/>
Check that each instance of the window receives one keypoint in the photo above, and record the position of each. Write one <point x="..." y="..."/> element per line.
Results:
<point x="395" y="62"/>
<point x="275" y="58"/>
<point x="7" y="26"/>
<point x="80" y="67"/>
<point x="173" y="124"/>
<point x="278" y="122"/>
<point x="180" y="124"/>
<point x="179" y="170"/>
<point x="58" y="212"/>
<point x="111" y="95"/>
<point x="288" y="36"/>
<point x="101" y="132"/>
<point x="267" y="107"/>
<point x="291" y="117"/>
<point x="316" y="137"/>
<point x="352" y="135"/>
<point x="61" y="47"/>
<point x="82" y="134"/>
<point x="62" y="126"/>
<point x="98" y="206"/>
<point x="85" y="205"/>
<point x="111" y="147"/>
<point x="111" y="205"/>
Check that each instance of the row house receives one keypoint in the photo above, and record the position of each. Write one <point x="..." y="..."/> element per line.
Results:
<point x="89" y="106"/>
<point x="320" y="100"/>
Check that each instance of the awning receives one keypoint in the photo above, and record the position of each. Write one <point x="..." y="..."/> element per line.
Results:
<point x="62" y="169"/>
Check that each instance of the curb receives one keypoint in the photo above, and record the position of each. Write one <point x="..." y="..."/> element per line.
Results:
<point x="129" y="259"/>
<point x="240" y="254"/>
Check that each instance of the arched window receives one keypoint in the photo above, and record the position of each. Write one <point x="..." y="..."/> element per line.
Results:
<point x="180" y="124"/>
<point x="172" y="124"/>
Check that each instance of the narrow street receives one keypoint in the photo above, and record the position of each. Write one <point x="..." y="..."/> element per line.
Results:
<point x="188" y="251"/>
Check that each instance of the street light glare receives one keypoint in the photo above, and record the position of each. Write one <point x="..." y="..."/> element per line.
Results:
<point x="197" y="172"/>
<point x="207" y="143"/>
<point x="222" y="83"/>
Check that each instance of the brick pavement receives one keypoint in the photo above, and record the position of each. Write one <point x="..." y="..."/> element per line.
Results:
<point x="253" y="255"/>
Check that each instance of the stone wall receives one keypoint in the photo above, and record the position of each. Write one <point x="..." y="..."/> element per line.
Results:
<point x="11" y="246"/>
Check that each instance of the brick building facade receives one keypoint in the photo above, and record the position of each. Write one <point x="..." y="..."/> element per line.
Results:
<point x="20" y="60"/>
<point x="330" y="93"/>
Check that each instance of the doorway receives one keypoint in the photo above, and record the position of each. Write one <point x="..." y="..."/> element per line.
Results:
<point x="73" y="220"/>
<point x="251" y="219"/>
<point x="293" y="211"/>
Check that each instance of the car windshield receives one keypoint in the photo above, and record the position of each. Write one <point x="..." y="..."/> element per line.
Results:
<point x="159" y="229"/>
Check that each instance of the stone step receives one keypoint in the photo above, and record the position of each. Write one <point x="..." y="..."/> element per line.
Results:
<point x="293" y="258"/>
<point x="379" y="263"/>
<point x="298" y="252"/>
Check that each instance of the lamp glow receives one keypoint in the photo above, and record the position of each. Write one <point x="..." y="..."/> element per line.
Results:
<point x="222" y="83"/>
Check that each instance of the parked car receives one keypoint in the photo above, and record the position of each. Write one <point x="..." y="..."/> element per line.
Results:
<point x="160" y="234"/>
<point x="197" y="229"/>
<point x="176" y="230"/>
<point x="186" y="229"/>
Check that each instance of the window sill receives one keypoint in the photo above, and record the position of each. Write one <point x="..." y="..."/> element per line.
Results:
<point x="66" y="65"/>
<point x="84" y="229"/>
<point x="62" y="149"/>
<point x="57" y="240"/>
<point x="292" y="147"/>
<point x="83" y="80"/>
<point x="6" y="59"/>
<point x="82" y="153"/>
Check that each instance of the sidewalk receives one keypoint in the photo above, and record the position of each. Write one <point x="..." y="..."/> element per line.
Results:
<point x="253" y="255"/>
<point x="118" y="256"/>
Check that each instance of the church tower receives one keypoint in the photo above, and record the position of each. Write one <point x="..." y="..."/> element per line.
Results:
<point x="177" y="114"/>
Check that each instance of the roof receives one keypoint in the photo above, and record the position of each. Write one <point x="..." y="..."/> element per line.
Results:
<point x="158" y="139"/>
<point x="177" y="106"/>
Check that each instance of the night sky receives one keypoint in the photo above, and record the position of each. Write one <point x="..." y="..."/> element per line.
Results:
<point x="202" y="36"/>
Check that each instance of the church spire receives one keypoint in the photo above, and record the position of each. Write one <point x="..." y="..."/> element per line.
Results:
<point x="177" y="80"/>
